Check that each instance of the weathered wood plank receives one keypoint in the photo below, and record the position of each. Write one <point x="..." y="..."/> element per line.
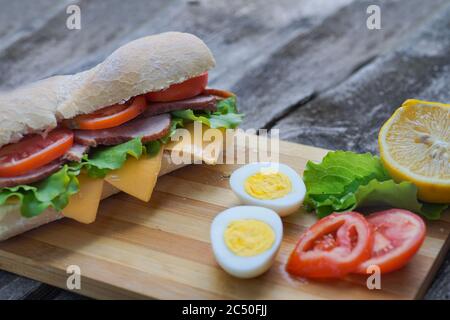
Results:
<point x="322" y="58"/>
<point x="19" y="19"/>
<point x="440" y="289"/>
<point x="235" y="30"/>
<point x="13" y="287"/>
<point x="47" y="292"/>
<point x="66" y="295"/>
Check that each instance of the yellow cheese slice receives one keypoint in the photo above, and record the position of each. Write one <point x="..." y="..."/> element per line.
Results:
<point x="83" y="205"/>
<point x="207" y="146"/>
<point x="137" y="177"/>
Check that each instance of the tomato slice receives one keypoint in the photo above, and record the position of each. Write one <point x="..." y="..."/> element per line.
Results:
<point x="187" y="89"/>
<point x="398" y="236"/>
<point x="219" y="93"/>
<point x="333" y="247"/>
<point x="108" y="117"/>
<point x="34" y="151"/>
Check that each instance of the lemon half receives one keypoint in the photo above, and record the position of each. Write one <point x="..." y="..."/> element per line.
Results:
<point x="415" y="146"/>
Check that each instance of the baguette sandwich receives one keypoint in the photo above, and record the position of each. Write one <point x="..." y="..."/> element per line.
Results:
<point x="66" y="142"/>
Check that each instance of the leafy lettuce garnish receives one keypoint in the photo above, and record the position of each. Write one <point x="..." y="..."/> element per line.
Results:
<point x="399" y="195"/>
<point x="152" y="148"/>
<point x="102" y="160"/>
<point x="175" y="123"/>
<point x="53" y="191"/>
<point x="346" y="180"/>
<point x="226" y="116"/>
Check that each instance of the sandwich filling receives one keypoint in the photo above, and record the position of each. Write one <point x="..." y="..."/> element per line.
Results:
<point x="41" y="170"/>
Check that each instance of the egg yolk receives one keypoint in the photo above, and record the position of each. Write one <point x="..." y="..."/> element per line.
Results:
<point x="248" y="238"/>
<point x="268" y="186"/>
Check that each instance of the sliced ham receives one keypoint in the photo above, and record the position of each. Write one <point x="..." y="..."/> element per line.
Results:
<point x="203" y="102"/>
<point x="33" y="175"/>
<point x="76" y="152"/>
<point x="149" y="129"/>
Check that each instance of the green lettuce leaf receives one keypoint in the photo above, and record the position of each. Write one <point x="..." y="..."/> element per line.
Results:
<point x="399" y="195"/>
<point x="341" y="172"/>
<point x="53" y="191"/>
<point x="190" y="116"/>
<point x="102" y="160"/>
<point x="226" y="116"/>
<point x="346" y="180"/>
<point x="152" y="148"/>
<point x="174" y="124"/>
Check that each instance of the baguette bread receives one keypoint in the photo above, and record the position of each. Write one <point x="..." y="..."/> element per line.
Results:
<point x="145" y="65"/>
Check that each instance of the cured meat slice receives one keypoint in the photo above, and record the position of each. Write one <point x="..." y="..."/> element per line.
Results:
<point x="203" y="102"/>
<point x="76" y="152"/>
<point x="33" y="175"/>
<point x="149" y="129"/>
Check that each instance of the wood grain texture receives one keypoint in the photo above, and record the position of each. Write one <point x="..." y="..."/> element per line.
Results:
<point x="349" y="116"/>
<point x="236" y="31"/>
<point x="322" y="58"/>
<point x="161" y="249"/>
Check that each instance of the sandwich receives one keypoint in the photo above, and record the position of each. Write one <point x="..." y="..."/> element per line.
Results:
<point x="69" y="141"/>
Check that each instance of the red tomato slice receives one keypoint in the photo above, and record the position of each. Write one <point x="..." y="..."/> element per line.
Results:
<point x="108" y="117"/>
<point x="219" y="93"/>
<point x="333" y="247"/>
<point x="187" y="89"/>
<point x="398" y="236"/>
<point x="34" y="151"/>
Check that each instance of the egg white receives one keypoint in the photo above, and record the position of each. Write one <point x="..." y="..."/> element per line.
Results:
<point x="239" y="266"/>
<point x="284" y="206"/>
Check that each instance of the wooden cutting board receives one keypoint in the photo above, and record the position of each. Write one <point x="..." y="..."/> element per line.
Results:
<point x="161" y="249"/>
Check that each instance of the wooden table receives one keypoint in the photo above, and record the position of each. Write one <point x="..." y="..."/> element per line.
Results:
<point x="310" y="68"/>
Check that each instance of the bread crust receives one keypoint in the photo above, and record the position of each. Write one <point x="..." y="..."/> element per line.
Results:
<point x="28" y="109"/>
<point x="13" y="223"/>
<point x="144" y="65"/>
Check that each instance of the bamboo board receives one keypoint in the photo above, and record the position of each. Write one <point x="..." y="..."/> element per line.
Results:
<point x="161" y="249"/>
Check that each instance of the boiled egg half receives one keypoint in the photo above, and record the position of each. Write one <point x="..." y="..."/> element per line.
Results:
<point x="245" y="240"/>
<point x="271" y="185"/>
